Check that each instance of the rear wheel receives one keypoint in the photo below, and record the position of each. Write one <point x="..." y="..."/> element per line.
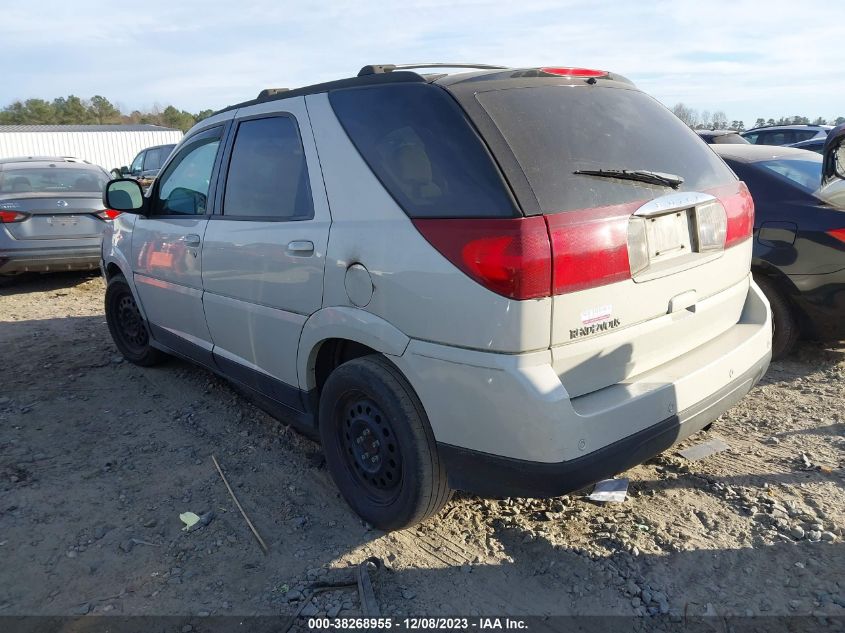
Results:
<point x="379" y="447"/>
<point x="785" y="327"/>
<point x="126" y="325"/>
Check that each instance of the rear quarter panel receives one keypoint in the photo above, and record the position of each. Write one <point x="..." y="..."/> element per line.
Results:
<point x="416" y="289"/>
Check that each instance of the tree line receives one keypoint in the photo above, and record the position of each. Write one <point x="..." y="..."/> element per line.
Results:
<point x="97" y="110"/>
<point x="718" y="120"/>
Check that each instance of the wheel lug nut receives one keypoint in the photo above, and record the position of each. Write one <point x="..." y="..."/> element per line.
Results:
<point x="366" y="455"/>
<point x="376" y="444"/>
<point x="374" y="459"/>
<point x="359" y="440"/>
<point x="366" y="432"/>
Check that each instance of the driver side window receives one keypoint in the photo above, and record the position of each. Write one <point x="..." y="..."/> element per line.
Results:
<point x="183" y="188"/>
<point x="136" y="164"/>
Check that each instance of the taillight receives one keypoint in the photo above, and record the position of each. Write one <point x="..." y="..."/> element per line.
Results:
<point x="590" y="247"/>
<point x="574" y="72"/>
<point x="8" y="217"/>
<point x="511" y="257"/>
<point x="739" y="208"/>
<point x="108" y="214"/>
<point x="839" y="234"/>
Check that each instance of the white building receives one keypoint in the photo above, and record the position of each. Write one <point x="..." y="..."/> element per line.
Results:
<point x="108" y="146"/>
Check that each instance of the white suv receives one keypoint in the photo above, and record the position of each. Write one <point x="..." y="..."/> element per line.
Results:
<point x="501" y="281"/>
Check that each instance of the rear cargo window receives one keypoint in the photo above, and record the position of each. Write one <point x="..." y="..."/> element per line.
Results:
<point x="557" y="130"/>
<point x="421" y="146"/>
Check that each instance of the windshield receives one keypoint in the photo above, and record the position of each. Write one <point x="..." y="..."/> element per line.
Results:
<point x="52" y="180"/>
<point x="806" y="172"/>
<point x="555" y="131"/>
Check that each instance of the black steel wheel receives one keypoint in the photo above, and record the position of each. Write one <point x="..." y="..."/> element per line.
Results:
<point x="126" y="325"/>
<point x="367" y="436"/>
<point x="379" y="446"/>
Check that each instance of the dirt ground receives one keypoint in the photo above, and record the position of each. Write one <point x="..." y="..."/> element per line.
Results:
<point x="98" y="458"/>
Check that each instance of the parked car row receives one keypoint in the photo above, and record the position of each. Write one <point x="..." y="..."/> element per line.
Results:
<point x="525" y="290"/>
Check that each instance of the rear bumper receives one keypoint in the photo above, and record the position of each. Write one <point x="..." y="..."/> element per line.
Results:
<point x="822" y="300"/>
<point x="495" y="476"/>
<point x="506" y="424"/>
<point x="50" y="259"/>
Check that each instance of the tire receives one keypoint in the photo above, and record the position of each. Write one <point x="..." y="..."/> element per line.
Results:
<point x="785" y="327"/>
<point x="393" y="477"/>
<point x="126" y="325"/>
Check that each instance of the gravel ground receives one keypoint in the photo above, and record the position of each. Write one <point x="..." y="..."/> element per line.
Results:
<point x="98" y="458"/>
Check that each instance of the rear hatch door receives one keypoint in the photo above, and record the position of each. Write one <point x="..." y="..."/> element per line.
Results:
<point x="649" y="228"/>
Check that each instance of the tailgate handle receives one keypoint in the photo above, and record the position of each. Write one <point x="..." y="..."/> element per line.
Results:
<point x="685" y="300"/>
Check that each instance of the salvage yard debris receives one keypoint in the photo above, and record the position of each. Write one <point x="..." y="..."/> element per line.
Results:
<point x="613" y="490"/>
<point x="705" y="449"/>
<point x="240" y="507"/>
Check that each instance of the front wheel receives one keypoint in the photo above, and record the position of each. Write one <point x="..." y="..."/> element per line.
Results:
<point x="126" y="325"/>
<point x="379" y="447"/>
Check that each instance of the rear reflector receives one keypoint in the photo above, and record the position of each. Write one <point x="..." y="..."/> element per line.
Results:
<point x="839" y="234"/>
<point x="574" y="72"/>
<point x="511" y="257"/>
<point x="739" y="208"/>
<point x="8" y="217"/>
<point x="108" y="214"/>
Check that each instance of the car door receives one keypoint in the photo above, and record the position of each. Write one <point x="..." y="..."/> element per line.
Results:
<point x="167" y="246"/>
<point x="265" y="246"/>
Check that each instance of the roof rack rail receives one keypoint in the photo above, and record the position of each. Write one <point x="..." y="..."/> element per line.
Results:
<point x="376" y="69"/>
<point x="269" y="92"/>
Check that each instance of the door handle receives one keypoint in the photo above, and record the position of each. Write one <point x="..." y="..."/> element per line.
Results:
<point x="301" y="247"/>
<point x="190" y="240"/>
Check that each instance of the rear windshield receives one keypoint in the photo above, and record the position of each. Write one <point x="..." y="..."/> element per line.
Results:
<point x="52" y="180"/>
<point x="556" y="130"/>
<point x="729" y="139"/>
<point x="421" y="146"/>
<point x="806" y="173"/>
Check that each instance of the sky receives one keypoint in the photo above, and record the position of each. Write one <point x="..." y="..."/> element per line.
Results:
<point x="747" y="58"/>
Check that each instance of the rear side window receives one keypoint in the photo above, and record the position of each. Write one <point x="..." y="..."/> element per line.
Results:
<point x="268" y="177"/>
<point x="556" y="130"/>
<point x="420" y="145"/>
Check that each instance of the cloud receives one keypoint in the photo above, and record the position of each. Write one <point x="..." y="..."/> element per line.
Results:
<point x="729" y="56"/>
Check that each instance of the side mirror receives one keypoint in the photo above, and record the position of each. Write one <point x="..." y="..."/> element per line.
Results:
<point x="124" y="171"/>
<point x="124" y="194"/>
<point x="834" y="155"/>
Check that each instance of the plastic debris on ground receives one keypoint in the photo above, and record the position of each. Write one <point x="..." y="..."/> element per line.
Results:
<point x="614" y="490"/>
<point x="189" y="519"/>
<point x="705" y="449"/>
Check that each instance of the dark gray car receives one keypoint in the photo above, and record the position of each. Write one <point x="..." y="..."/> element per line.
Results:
<point x="51" y="214"/>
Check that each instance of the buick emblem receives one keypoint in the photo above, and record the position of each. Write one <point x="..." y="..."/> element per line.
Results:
<point x="61" y="203"/>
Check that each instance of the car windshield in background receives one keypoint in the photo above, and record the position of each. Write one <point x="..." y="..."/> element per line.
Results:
<point x="806" y="173"/>
<point x="555" y="131"/>
<point x="51" y="180"/>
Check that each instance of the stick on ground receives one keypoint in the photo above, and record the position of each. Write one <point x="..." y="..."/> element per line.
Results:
<point x="238" y="503"/>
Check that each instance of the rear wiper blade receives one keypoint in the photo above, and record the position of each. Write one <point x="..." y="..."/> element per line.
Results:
<point x="641" y="175"/>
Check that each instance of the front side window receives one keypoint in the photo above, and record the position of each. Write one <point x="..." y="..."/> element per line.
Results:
<point x="268" y="175"/>
<point x="183" y="189"/>
<point x="137" y="164"/>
